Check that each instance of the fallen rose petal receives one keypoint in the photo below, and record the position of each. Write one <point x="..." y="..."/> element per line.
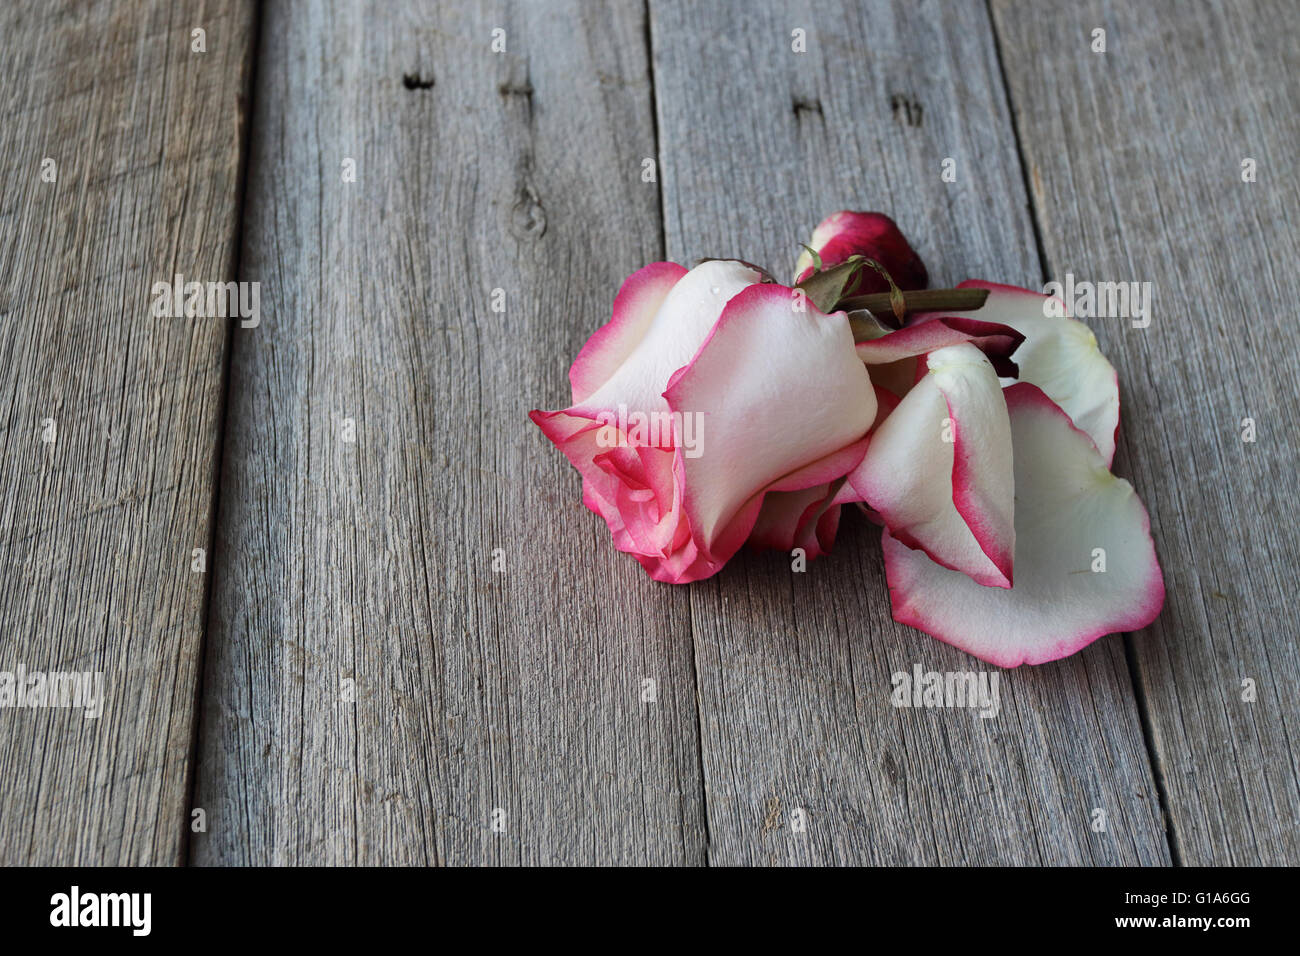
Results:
<point x="1070" y="513"/>
<point x="1060" y="356"/>
<point x="938" y="470"/>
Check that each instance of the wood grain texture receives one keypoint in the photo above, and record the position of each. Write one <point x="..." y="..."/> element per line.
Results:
<point x="98" y="524"/>
<point x="794" y="669"/>
<point x="373" y="561"/>
<point x="1135" y="159"/>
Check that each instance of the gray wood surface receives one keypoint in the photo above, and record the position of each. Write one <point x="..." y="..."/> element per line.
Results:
<point x="373" y="561"/>
<point x="99" y="524"/>
<point x="794" y="669"/>
<point x="1135" y="159"/>
<point x="409" y="629"/>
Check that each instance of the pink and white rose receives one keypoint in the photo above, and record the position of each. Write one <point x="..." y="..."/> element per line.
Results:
<point x="778" y="399"/>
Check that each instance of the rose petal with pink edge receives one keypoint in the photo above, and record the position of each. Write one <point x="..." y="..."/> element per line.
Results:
<point x="778" y="388"/>
<point x="797" y="519"/>
<point x="1068" y="505"/>
<point x="684" y="320"/>
<point x="1060" y="355"/>
<point x="635" y="308"/>
<point x="938" y="469"/>
<point x="807" y="517"/>
<point x="929" y="332"/>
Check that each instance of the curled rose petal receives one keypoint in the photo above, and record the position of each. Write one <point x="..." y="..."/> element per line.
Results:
<point x="797" y="519"/>
<point x="938" y="471"/>
<point x="809" y="518"/>
<point x="870" y="234"/>
<point x="925" y="334"/>
<point x="684" y="319"/>
<point x="1085" y="563"/>
<point x="1060" y="356"/>
<point x="783" y="397"/>
<point x="635" y="308"/>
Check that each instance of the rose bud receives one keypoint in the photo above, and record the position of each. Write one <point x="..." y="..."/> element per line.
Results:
<point x="704" y="392"/>
<point x="870" y="234"/>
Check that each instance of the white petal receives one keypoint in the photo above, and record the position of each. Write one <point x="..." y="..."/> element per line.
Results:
<point x="938" y="470"/>
<point x="778" y="389"/>
<point x="686" y="316"/>
<point x="1060" y="356"/>
<point x="635" y="308"/>
<point x="1071" y="514"/>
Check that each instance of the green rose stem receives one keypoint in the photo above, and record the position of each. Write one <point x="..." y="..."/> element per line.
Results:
<point x="884" y="310"/>
<point x="922" y="300"/>
<point x="871" y="316"/>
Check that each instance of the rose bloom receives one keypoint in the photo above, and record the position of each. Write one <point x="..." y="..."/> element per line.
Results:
<point x="707" y="391"/>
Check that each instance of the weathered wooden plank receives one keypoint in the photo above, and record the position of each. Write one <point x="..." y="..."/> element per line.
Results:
<point x="794" y="670"/>
<point x="112" y="416"/>
<point x="1136" y="163"/>
<point x="373" y="561"/>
